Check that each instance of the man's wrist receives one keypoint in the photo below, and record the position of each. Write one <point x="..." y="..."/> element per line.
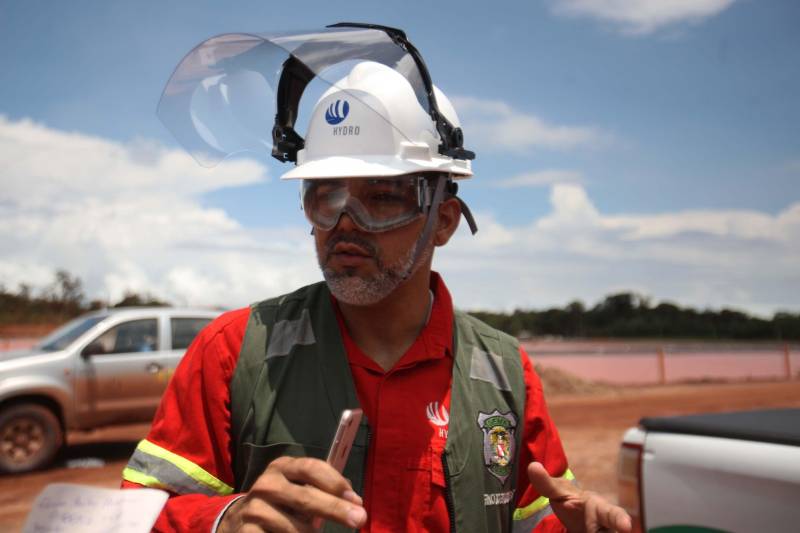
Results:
<point x="218" y="521"/>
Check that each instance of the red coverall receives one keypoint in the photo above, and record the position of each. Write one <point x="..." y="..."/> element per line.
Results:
<point x="404" y="487"/>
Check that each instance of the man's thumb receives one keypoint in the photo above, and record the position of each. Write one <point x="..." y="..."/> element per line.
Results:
<point x="543" y="483"/>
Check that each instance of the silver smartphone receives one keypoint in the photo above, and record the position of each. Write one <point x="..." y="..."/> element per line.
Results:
<point x="343" y="440"/>
<point x="341" y="445"/>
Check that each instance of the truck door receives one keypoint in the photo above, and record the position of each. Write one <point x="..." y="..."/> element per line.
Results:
<point x="183" y="330"/>
<point x="122" y="374"/>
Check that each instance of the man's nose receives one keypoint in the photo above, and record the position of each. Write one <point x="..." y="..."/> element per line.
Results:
<point x="346" y="223"/>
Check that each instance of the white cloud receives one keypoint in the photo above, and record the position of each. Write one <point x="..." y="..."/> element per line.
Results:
<point x="494" y="125"/>
<point x="641" y="16"/>
<point x="40" y="164"/>
<point x="572" y="208"/>
<point x="743" y="224"/>
<point x="130" y="217"/>
<point x="540" y="178"/>
<point x="740" y="258"/>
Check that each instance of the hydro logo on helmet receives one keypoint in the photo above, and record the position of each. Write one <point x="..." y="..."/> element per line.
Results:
<point x="333" y="116"/>
<point x="394" y="135"/>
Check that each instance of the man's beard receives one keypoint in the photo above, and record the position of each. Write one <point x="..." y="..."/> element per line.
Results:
<point x="346" y="286"/>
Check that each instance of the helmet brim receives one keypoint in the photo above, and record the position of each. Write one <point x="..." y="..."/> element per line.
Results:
<point x="375" y="166"/>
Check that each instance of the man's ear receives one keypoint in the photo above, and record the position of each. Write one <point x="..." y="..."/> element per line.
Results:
<point x="449" y="217"/>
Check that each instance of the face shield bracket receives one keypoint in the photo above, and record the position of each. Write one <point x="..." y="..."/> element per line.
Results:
<point x="286" y="142"/>
<point x="295" y="76"/>
<point x="452" y="144"/>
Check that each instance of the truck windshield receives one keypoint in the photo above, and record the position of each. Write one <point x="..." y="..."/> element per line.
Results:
<point x="63" y="336"/>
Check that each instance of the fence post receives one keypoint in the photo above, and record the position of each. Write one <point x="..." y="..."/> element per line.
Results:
<point x="787" y="361"/>
<point x="662" y="369"/>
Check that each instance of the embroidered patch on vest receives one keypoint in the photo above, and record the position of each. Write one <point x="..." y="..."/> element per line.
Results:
<point x="498" y="442"/>
<point x="500" y="498"/>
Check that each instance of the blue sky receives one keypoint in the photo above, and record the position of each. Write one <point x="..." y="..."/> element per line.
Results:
<point x="642" y="145"/>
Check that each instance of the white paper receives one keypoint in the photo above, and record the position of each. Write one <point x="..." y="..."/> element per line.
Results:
<point x="71" y="508"/>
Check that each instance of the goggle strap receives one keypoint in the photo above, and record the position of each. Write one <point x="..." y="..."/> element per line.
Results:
<point x="419" y="248"/>
<point x="473" y="227"/>
<point x="452" y="188"/>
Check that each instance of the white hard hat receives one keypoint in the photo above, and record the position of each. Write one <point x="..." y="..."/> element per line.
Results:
<point x="370" y="123"/>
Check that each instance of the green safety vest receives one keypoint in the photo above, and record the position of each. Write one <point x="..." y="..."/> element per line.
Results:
<point x="292" y="381"/>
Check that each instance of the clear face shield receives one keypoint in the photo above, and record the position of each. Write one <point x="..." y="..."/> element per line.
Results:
<point x="241" y="92"/>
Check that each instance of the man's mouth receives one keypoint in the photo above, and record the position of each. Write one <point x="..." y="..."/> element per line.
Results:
<point x="348" y="248"/>
<point x="349" y="251"/>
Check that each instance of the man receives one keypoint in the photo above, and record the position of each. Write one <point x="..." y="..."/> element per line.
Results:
<point x="457" y="434"/>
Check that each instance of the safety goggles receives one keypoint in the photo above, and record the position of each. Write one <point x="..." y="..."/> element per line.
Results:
<point x="374" y="204"/>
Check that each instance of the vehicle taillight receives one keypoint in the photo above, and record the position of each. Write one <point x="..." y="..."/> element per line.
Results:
<point x="629" y="476"/>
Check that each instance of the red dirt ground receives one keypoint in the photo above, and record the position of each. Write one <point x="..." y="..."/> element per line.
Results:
<point x="591" y="423"/>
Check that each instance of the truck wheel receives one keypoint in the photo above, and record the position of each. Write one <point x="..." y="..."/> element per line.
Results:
<point x="30" y="437"/>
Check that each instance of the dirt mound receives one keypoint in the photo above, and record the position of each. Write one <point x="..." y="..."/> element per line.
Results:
<point x="26" y="330"/>
<point x="558" y="382"/>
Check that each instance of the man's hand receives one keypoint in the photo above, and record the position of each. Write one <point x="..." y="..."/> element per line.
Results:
<point x="290" y="494"/>
<point x="579" y="510"/>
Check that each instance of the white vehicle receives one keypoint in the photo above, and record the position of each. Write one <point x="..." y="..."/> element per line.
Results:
<point x="103" y="368"/>
<point x="713" y="473"/>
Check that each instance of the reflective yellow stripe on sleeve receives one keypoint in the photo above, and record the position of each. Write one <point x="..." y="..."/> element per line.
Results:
<point x="540" y="503"/>
<point x="156" y="467"/>
<point x="129" y="474"/>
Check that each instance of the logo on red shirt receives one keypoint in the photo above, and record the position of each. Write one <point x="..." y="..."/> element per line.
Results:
<point x="439" y="417"/>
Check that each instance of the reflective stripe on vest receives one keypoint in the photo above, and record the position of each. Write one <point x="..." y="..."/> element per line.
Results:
<point x="488" y="367"/>
<point x="156" y="467"/>
<point x="287" y="334"/>
<point x="528" y="517"/>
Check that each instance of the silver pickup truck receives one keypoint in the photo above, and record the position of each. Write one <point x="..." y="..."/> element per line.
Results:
<point x="733" y="472"/>
<point x="104" y="368"/>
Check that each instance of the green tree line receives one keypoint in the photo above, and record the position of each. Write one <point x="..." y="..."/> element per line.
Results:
<point x="624" y="314"/>
<point x="58" y="302"/>
<point x="631" y="315"/>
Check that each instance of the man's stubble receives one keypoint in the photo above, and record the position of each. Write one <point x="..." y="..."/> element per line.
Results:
<point x="350" y="288"/>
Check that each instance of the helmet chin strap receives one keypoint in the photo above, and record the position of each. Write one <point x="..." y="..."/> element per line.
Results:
<point x="422" y="241"/>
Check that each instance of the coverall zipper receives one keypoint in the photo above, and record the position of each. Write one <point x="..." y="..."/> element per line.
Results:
<point x="448" y="494"/>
